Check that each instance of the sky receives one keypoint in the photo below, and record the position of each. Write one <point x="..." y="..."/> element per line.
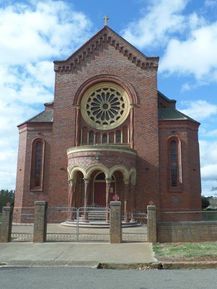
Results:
<point x="183" y="33"/>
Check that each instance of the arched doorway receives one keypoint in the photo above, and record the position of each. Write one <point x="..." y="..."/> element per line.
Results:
<point x="99" y="189"/>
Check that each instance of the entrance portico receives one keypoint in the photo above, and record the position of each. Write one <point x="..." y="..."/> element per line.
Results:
<point x="102" y="173"/>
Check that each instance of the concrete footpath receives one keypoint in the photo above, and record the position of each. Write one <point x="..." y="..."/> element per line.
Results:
<point x="97" y="255"/>
<point x="105" y="255"/>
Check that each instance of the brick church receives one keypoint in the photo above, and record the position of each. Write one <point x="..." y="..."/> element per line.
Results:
<point x="109" y="134"/>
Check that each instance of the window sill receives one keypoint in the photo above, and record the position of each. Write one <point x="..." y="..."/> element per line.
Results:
<point x="36" y="190"/>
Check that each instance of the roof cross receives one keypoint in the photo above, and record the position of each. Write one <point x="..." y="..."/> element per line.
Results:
<point x="106" y="19"/>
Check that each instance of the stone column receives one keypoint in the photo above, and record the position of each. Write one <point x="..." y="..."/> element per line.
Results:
<point x="151" y="223"/>
<point x="86" y="187"/>
<point x="115" y="222"/>
<point x="133" y="205"/>
<point x="71" y="198"/>
<point x="40" y="222"/>
<point x="126" y="193"/>
<point x="108" y="187"/>
<point x="6" y="225"/>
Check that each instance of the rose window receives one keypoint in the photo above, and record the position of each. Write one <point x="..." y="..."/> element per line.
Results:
<point x="105" y="106"/>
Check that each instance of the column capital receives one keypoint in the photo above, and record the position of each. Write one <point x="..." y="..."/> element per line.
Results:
<point x="71" y="181"/>
<point x="108" y="180"/>
<point x="86" y="180"/>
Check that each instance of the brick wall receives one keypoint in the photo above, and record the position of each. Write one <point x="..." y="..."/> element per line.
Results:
<point x="187" y="195"/>
<point x="24" y="196"/>
<point x="187" y="231"/>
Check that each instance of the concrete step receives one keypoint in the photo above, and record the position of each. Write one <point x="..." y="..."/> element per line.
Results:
<point x="97" y="215"/>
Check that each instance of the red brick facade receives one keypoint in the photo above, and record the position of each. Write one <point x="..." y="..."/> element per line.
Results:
<point x="139" y="164"/>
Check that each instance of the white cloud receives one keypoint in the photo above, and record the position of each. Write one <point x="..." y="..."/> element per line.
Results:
<point x="210" y="3"/>
<point x="42" y="72"/>
<point x="208" y="188"/>
<point x="208" y="156"/>
<point x="194" y="21"/>
<point x="162" y="18"/>
<point x="8" y="171"/>
<point x="212" y="133"/>
<point x="195" y="55"/>
<point x="31" y="35"/>
<point x="209" y="172"/>
<point x="189" y="39"/>
<point x="199" y="109"/>
<point x="37" y="32"/>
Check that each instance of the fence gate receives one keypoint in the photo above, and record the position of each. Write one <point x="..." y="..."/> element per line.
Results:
<point x="22" y="226"/>
<point x="82" y="224"/>
<point x="135" y="232"/>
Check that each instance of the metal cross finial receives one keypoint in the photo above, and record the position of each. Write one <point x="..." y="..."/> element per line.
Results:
<point x="106" y="19"/>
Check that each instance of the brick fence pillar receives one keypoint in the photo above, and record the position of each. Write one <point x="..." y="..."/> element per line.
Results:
<point x="6" y="225"/>
<point x="151" y="223"/>
<point x="115" y="222"/>
<point x="40" y="221"/>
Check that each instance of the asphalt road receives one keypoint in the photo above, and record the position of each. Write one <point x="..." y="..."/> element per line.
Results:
<point x="81" y="278"/>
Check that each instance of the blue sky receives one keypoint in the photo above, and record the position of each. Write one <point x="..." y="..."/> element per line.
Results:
<point x="182" y="32"/>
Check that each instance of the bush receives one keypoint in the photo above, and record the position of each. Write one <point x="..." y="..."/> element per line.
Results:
<point x="205" y="202"/>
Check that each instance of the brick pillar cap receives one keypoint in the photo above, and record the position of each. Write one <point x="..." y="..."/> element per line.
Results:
<point x="40" y="203"/>
<point x="6" y="208"/>
<point x="151" y="207"/>
<point x="115" y="203"/>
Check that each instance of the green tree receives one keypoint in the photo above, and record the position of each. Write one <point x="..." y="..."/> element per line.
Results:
<point x="205" y="202"/>
<point x="6" y="198"/>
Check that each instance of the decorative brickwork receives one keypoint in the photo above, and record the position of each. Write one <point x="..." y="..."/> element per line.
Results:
<point x="104" y="38"/>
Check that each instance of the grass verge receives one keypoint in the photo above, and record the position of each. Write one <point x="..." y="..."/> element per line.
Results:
<point x="206" y="251"/>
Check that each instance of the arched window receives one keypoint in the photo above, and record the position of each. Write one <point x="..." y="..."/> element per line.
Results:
<point x="37" y="164"/>
<point x="173" y="156"/>
<point x="100" y="177"/>
<point x="174" y="162"/>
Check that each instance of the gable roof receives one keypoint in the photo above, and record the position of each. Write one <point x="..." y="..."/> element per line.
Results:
<point x="167" y="110"/>
<point x="106" y="36"/>
<point x="170" y="113"/>
<point x="45" y="116"/>
<point x="163" y="96"/>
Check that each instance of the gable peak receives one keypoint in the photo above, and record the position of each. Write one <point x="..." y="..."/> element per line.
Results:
<point x="105" y="36"/>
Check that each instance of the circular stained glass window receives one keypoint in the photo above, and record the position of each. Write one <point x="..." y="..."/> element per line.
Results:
<point x="105" y="106"/>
